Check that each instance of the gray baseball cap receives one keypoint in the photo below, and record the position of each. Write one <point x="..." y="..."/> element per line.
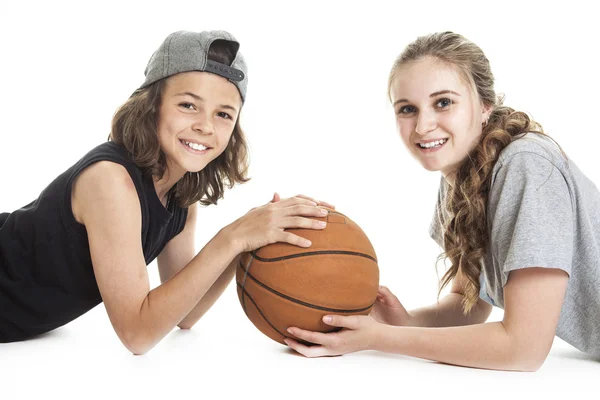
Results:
<point x="185" y="51"/>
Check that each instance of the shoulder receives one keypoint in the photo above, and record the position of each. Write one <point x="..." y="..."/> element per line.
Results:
<point x="103" y="163"/>
<point x="105" y="175"/>
<point x="530" y="159"/>
<point x="531" y="176"/>
<point x="532" y="148"/>
<point x="112" y="148"/>
<point x="101" y="187"/>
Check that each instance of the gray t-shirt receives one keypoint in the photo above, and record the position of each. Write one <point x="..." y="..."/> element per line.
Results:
<point x="542" y="212"/>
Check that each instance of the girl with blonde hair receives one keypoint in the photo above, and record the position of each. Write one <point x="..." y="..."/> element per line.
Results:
<point x="517" y="220"/>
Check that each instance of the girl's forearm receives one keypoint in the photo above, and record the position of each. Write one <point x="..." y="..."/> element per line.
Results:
<point x="488" y="346"/>
<point x="448" y="312"/>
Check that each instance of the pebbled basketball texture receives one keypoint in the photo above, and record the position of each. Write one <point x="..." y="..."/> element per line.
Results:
<point x="281" y="285"/>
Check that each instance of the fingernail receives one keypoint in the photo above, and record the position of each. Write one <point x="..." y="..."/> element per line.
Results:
<point x="290" y="330"/>
<point x="327" y="318"/>
<point x="324" y="211"/>
<point x="322" y="223"/>
<point x="307" y="242"/>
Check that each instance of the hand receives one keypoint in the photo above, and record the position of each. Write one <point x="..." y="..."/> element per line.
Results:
<point x="388" y="309"/>
<point x="267" y="224"/>
<point x="276" y="198"/>
<point x="358" y="333"/>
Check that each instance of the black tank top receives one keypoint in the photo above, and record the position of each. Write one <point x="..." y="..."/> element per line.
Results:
<point x="46" y="274"/>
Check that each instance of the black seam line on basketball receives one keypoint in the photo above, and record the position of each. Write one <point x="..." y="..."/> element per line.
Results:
<point x="312" y="253"/>
<point x="243" y="297"/>
<point x="293" y="300"/>
<point x="258" y="309"/>
<point x="246" y="270"/>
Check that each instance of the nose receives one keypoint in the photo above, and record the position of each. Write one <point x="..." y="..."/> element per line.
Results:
<point x="203" y="124"/>
<point x="426" y="122"/>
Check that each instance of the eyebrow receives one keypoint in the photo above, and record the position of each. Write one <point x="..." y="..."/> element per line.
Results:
<point x="431" y="95"/>
<point x="195" y="96"/>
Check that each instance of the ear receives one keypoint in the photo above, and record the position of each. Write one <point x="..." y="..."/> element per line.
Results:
<point x="485" y="112"/>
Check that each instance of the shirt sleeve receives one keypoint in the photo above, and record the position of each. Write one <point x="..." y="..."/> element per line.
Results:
<point x="530" y="215"/>
<point x="436" y="226"/>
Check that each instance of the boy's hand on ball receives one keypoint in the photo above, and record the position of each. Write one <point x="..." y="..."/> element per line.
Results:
<point x="320" y="203"/>
<point x="267" y="224"/>
<point x="359" y="333"/>
<point x="388" y="309"/>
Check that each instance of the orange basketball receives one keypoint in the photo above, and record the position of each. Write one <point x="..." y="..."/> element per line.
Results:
<point x="281" y="285"/>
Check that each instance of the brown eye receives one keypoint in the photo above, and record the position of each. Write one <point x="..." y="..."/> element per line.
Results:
<point x="224" y="115"/>
<point x="187" y="106"/>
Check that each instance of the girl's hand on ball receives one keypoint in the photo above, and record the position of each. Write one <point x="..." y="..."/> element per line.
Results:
<point x="388" y="309"/>
<point x="359" y="333"/>
<point x="266" y="224"/>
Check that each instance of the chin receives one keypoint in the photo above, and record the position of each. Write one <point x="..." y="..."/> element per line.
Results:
<point x="194" y="168"/>
<point x="185" y="166"/>
<point x="431" y="166"/>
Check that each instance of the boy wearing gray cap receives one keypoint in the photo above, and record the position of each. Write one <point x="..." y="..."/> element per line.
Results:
<point x="91" y="233"/>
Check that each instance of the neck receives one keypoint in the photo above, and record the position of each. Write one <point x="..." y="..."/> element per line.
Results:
<point x="450" y="179"/>
<point x="163" y="184"/>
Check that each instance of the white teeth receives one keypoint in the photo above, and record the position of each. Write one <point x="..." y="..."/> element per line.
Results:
<point x="195" y="146"/>
<point x="429" y="145"/>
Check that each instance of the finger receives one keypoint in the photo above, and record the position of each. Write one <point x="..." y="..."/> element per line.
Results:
<point x="325" y="204"/>
<point x="380" y="297"/>
<point x="319" y="202"/>
<point x="381" y="300"/>
<point x="301" y="222"/>
<point x="384" y="291"/>
<point x="310" y="336"/>
<point x="276" y="198"/>
<point x="306" y="211"/>
<point x="387" y="294"/>
<point x="307" y="351"/>
<point x="296" y="200"/>
<point x="296" y="240"/>
<point x="306" y="197"/>
<point x="347" y="321"/>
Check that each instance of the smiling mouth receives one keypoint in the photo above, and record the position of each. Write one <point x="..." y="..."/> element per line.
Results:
<point x="432" y="145"/>
<point x="194" y="146"/>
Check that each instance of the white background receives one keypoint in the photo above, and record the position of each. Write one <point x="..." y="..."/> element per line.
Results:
<point x="319" y="123"/>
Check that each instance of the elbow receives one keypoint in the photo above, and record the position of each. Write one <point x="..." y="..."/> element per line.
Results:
<point x="137" y="343"/>
<point x="529" y="357"/>
<point x="189" y="321"/>
<point x="137" y="350"/>
<point x="528" y="363"/>
<point x="526" y="350"/>
<point x="185" y="325"/>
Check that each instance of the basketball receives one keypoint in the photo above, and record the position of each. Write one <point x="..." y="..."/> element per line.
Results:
<point x="281" y="285"/>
